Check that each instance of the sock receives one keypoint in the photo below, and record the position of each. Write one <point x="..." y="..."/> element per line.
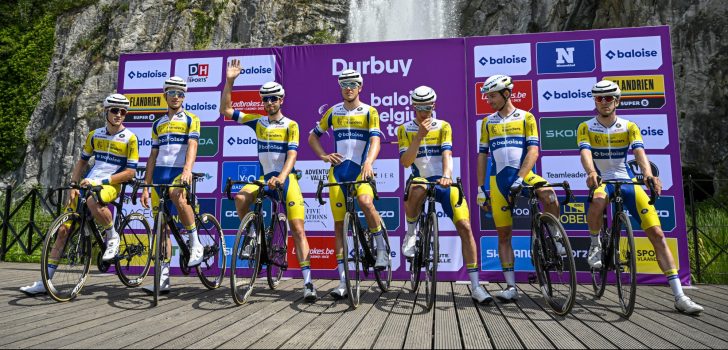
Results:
<point x="473" y="274"/>
<point x="192" y="232"/>
<point x="379" y="238"/>
<point x="411" y="225"/>
<point x="674" y="280"/>
<point x="111" y="232"/>
<point x="342" y="269"/>
<point x="306" y="272"/>
<point x="52" y="266"/>
<point x="595" y="238"/>
<point x="509" y="274"/>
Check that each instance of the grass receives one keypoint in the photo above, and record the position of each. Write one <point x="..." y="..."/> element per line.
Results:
<point x="43" y="219"/>
<point x="713" y="223"/>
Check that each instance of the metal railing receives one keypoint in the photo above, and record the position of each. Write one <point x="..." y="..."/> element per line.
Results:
<point x="24" y="218"/>
<point x="707" y="228"/>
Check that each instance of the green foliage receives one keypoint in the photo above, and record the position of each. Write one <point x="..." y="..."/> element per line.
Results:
<point x="324" y="36"/>
<point x="713" y="234"/>
<point x="26" y="46"/>
<point x="205" y="20"/>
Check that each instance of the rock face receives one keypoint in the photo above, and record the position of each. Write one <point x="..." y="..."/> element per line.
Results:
<point x="89" y="42"/>
<point x="84" y="66"/>
<point x="699" y="35"/>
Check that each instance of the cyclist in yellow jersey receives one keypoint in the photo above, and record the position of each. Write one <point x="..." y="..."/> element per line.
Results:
<point x="277" y="137"/>
<point x="604" y="142"/>
<point x="355" y="126"/>
<point x="174" y="149"/>
<point x="116" y="153"/>
<point x="425" y="144"/>
<point x="510" y="135"/>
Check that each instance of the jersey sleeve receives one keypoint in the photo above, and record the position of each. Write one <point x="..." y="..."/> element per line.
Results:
<point x="324" y="124"/>
<point x="132" y="152"/>
<point x="249" y="119"/>
<point x="635" y="136"/>
<point x="402" y="139"/>
<point x="582" y="136"/>
<point x="374" y="123"/>
<point x="446" y="137"/>
<point x="155" y="134"/>
<point x="293" y="136"/>
<point x="484" y="145"/>
<point x="88" y="147"/>
<point x="194" y="127"/>
<point x="531" y="130"/>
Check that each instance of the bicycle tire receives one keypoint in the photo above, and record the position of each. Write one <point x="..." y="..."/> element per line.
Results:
<point x="211" y="270"/>
<point x="277" y="250"/>
<point x="554" y="266"/>
<point x="599" y="276"/>
<point x="134" y="250"/>
<point x="383" y="276"/>
<point x="625" y="258"/>
<point x="416" y="260"/>
<point x="73" y="266"/>
<point x="158" y="257"/>
<point x="352" y="255"/>
<point x="245" y="270"/>
<point x="432" y="260"/>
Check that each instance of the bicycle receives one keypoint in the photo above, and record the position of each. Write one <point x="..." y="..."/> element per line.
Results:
<point x="618" y="250"/>
<point x="551" y="253"/>
<point x="249" y="245"/>
<point x="359" y="239"/>
<point x="427" y="251"/>
<point x="83" y="236"/>
<point x="212" y="269"/>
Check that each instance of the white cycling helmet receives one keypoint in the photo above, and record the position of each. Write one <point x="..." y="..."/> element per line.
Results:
<point x="175" y="83"/>
<point x="116" y="100"/>
<point x="423" y="95"/>
<point x="606" y="88"/>
<point x="351" y="75"/>
<point x="497" y="83"/>
<point x="272" y="88"/>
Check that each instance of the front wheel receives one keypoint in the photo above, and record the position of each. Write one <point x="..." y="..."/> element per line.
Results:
<point x="214" y="262"/>
<point x="431" y="259"/>
<point x="554" y="263"/>
<point x="135" y="252"/>
<point x="246" y="258"/>
<point x="599" y="276"/>
<point x="625" y="265"/>
<point x="67" y="251"/>
<point x="277" y="246"/>
<point x="383" y="276"/>
<point x="352" y="259"/>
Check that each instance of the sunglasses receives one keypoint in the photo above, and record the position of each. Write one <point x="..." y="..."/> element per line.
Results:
<point x="423" y="108"/>
<point x="604" y="98"/>
<point x="349" y="85"/>
<point x="175" y="93"/>
<point x="117" y="111"/>
<point x="270" y="99"/>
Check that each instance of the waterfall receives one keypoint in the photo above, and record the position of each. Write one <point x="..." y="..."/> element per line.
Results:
<point x="382" y="20"/>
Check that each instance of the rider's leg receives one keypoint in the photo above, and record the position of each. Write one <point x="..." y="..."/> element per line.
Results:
<point x="366" y="203"/>
<point x="296" y="215"/>
<point x="186" y="214"/>
<point x="505" y="252"/>
<point x="242" y="202"/>
<point x="412" y="209"/>
<point x="548" y="199"/>
<point x="103" y="217"/>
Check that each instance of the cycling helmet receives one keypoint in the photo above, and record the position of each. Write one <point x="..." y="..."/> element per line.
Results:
<point x="351" y="75"/>
<point x="176" y="83"/>
<point x="606" y="88"/>
<point x="116" y="100"/>
<point x="272" y="88"/>
<point x="497" y="83"/>
<point x="423" y="95"/>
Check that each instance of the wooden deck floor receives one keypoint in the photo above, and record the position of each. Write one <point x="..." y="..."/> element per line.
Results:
<point x="108" y="315"/>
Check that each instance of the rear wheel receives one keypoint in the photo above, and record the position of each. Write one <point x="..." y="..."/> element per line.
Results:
<point x="135" y="253"/>
<point x="625" y="266"/>
<point x="67" y="250"/>
<point x="352" y="259"/>
<point x="214" y="262"/>
<point x="246" y="258"/>
<point x="277" y="246"/>
<point x="431" y="259"/>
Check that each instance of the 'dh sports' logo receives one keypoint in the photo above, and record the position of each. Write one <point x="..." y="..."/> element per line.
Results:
<point x="565" y="57"/>
<point x="198" y="72"/>
<point x="623" y="54"/>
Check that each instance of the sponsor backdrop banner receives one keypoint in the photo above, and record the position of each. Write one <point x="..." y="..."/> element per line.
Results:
<point x="553" y="74"/>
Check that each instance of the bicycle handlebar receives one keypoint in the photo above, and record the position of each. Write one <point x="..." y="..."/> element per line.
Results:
<point x="411" y="180"/>
<point x="229" y="185"/>
<point x="650" y="186"/>
<point x="95" y="192"/>
<point x="140" y="184"/>
<point x="371" y="181"/>
<point x="565" y="185"/>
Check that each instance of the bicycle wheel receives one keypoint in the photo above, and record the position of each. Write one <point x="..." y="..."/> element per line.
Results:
<point x="277" y="246"/>
<point x="214" y="262"/>
<point x="245" y="262"/>
<point x="599" y="276"/>
<point x="160" y="250"/>
<point x="135" y="253"/>
<point x="352" y="259"/>
<point x="554" y="263"/>
<point x="66" y="246"/>
<point x="416" y="261"/>
<point x="383" y="276"/>
<point x="431" y="259"/>
<point x="625" y="265"/>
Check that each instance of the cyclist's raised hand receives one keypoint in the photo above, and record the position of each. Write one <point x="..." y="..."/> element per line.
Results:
<point x="145" y="198"/>
<point x="233" y="69"/>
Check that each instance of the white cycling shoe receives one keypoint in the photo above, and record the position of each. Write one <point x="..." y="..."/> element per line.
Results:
<point x="687" y="306"/>
<point x="112" y="249"/>
<point x="309" y="293"/>
<point x="339" y="292"/>
<point x="382" y="259"/>
<point x="508" y="294"/>
<point x="481" y="296"/>
<point x="34" y="289"/>
<point x="408" y="245"/>
<point x="197" y="253"/>
<point x="595" y="257"/>
<point x="164" y="284"/>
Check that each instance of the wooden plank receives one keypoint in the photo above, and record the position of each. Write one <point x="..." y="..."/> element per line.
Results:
<point x="472" y="330"/>
<point x="545" y="320"/>
<point x="304" y="339"/>
<point x="394" y="329"/>
<point x="712" y="304"/>
<point x="712" y="309"/>
<point x="718" y="295"/>
<point x="526" y="331"/>
<point x="420" y="329"/>
<point x="571" y="322"/>
<point x="340" y="331"/>
<point x="365" y="335"/>
<point x="447" y="329"/>
<point x="502" y="335"/>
